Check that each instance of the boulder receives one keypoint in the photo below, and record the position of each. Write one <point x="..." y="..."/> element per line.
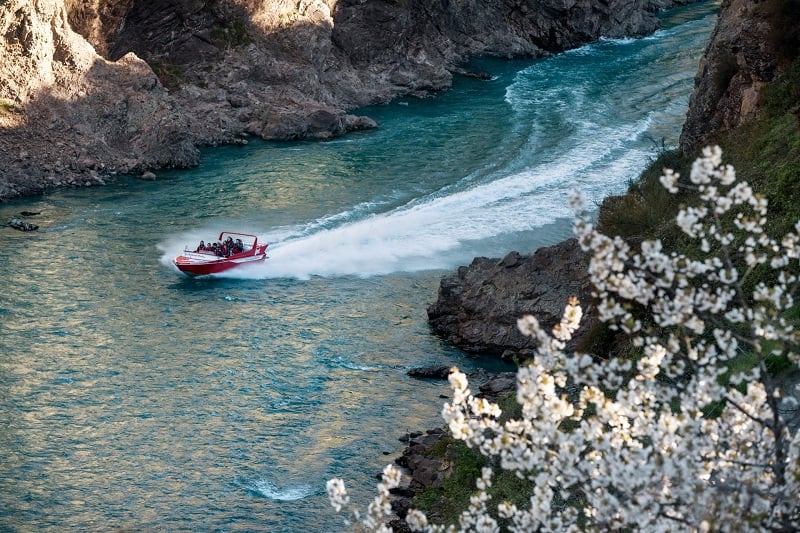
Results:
<point x="478" y="306"/>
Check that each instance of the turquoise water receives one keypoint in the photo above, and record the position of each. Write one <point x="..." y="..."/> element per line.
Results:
<point x="134" y="398"/>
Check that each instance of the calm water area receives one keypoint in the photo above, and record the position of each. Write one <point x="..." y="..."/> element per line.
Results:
<point x="135" y="398"/>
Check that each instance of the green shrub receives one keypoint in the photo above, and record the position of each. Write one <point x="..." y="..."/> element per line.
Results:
<point x="8" y="108"/>
<point x="169" y="75"/>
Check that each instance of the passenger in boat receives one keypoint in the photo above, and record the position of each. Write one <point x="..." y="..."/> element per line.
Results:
<point x="201" y="247"/>
<point x="238" y="247"/>
<point x="229" y="246"/>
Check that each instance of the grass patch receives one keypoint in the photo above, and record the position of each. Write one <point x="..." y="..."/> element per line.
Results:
<point x="445" y="504"/>
<point x="765" y="153"/>
<point x="8" y="107"/>
<point x="169" y="75"/>
<point x="647" y="210"/>
<point x="233" y="35"/>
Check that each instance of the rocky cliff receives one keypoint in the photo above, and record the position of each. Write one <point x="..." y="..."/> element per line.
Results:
<point x="478" y="306"/>
<point x="70" y="117"/>
<point x="91" y="88"/>
<point x="752" y="46"/>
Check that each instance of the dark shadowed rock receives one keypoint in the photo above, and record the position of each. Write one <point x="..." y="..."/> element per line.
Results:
<point x="424" y="469"/>
<point x="478" y="306"/>
<point x="498" y="384"/>
<point x="430" y="372"/>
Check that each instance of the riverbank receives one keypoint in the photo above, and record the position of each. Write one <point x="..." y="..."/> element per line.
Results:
<point x="97" y="89"/>
<point x="733" y="96"/>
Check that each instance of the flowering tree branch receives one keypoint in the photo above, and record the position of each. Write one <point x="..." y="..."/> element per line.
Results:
<point x="637" y="447"/>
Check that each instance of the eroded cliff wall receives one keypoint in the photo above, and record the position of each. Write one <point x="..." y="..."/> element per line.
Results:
<point x="90" y="88"/>
<point x="70" y="117"/>
<point x="752" y="46"/>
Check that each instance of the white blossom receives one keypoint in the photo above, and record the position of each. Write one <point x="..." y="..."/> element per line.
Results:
<point x="337" y="493"/>
<point x="675" y="440"/>
<point x="669" y="180"/>
<point x="416" y="520"/>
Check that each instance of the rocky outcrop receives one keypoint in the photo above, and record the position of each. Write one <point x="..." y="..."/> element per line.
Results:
<point x="91" y="88"/>
<point x="425" y="468"/>
<point x="752" y="45"/>
<point x="478" y="306"/>
<point x="70" y="117"/>
<point x="428" y="458"/>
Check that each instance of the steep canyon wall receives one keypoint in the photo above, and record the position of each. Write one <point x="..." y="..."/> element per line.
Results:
<point x="752" y="45"/>
<point x="91" y="88"/>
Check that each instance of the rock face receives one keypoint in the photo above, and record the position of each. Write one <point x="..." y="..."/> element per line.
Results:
<point x="752" y="45"/>
<point x="477" y="307"/>
<point x="91" y="88"/>
<point x="70" y="117"/>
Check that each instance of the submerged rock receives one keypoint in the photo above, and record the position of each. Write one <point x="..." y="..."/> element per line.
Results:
<point x="22" y="226"/>
<point x="430" y="372"/>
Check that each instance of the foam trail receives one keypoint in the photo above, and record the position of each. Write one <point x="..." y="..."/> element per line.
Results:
<point x="430" y="233"/>
<point x="442" y="230"/>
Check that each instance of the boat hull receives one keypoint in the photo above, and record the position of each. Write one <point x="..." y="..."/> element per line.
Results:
<point x="191" y="266"/>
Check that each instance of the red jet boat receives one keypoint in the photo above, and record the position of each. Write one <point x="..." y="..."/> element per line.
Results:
<point x="203" y="262"/>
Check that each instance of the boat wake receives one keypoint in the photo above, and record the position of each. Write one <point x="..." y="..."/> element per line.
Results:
<point x="445" y="229"/>
<point x="593" y="133"/>
<point x="268" y="489"/>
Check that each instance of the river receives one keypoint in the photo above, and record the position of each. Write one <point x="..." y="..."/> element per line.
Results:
<point x="134" y="398"/>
